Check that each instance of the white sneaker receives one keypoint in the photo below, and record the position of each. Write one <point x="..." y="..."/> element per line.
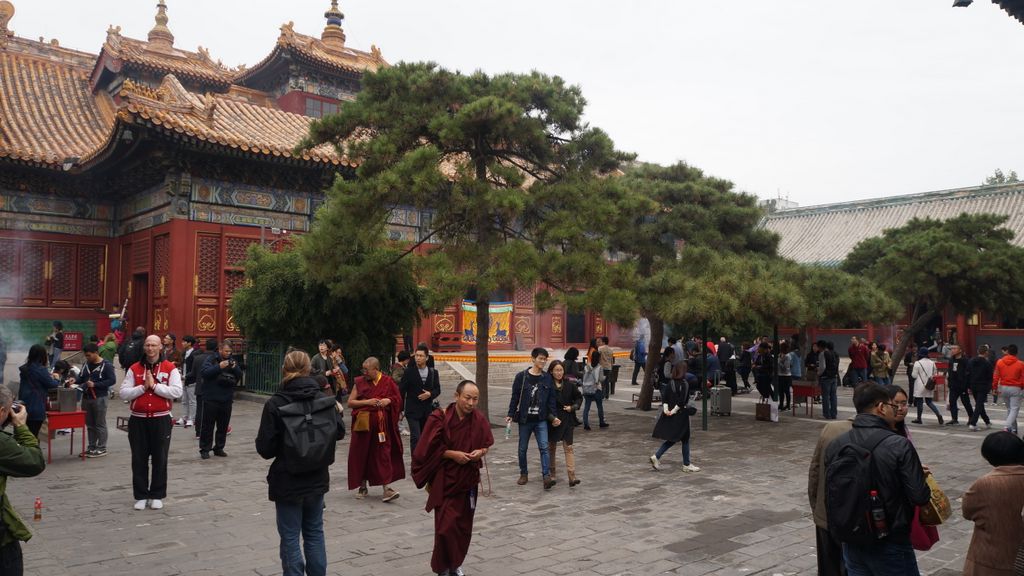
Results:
<point x="140" y="505"/>
<point x="189" y="423"/>
<point x="690" y="468"/>
<point x="654" y="462"/>
<point x="156" y="504"/>
<point x="972" y="428"/>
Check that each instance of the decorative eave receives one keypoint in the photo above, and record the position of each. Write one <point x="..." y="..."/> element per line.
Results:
<point x="122" y="54"/>
<point x="313" y="53"/>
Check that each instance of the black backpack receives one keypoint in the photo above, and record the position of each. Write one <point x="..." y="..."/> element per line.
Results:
<point x="849" y="479"/>
<point x="311" y="431"/>
<point x="130" y="353"/>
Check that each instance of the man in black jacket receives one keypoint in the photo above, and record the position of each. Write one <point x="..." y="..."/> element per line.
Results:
<point x="419" y="387"/>
<point x="898" y="476"/>
<point x="828" y="378"/>
<point x="220" y="376"/>
<point x="198" y="364"/>
<point x="958" y="377"/>
<point x="979" y="382"/>
<point x="95" y="378"/>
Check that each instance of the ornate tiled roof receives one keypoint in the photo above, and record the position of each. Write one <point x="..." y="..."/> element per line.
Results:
<point x="331" y="53"/>
<point x="47" y="110"/>
<point x="825" y="234"/>
<point x="163" y="58"/>
<point x="222" y="119"/>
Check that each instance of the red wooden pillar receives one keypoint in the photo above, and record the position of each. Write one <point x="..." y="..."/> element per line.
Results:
<point x="963" y="338"/>
<point x="871" y="332"/>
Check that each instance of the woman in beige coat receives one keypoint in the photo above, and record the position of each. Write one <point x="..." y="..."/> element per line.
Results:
<point x="994" y="503"/>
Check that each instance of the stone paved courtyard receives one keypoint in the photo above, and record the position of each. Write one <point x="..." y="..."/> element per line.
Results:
<point x="745" y="513"/>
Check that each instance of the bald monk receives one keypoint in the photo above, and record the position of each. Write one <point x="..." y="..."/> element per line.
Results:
<point x="447" y="461"/>
<point x="375" y="452"/>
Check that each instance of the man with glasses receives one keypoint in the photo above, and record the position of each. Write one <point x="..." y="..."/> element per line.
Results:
<point x="532" y="405"/>
<point x="898" y="477"/>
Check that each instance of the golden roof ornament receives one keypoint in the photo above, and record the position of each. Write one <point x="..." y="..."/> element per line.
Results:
<point x="333" y="36"/>
<point x="6" y="13"/>
<point x="160" y="36"/>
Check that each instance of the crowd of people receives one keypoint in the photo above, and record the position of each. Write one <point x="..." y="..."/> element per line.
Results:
<point x="448" y="442"/>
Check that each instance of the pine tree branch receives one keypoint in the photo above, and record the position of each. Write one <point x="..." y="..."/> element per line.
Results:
<point x="418" y="244"/>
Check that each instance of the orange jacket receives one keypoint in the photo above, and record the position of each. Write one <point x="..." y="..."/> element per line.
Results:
<point x="1009" y="372"/>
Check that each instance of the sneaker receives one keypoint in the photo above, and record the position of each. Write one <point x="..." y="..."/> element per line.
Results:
<point x="988" y="425"/>
<point x="363" y="492"/>
<point x="523" y="479"/>
<point x="952" y="423"/>
<point x="655" y="463"/>
<point x="916" y="422"/>
<point x="189" y="423"/>
<point x="86" y="454"/>
<point x="549" y="482"/>
<point x="690" y="468"/>
<point x="156" y="504"/>
<point x="205" y="455"/>
<point x="941" y="421"/>
<point x="972" y="428"/>
<point x="604" y="425"/>
<point x="458" y="572"/>
<point x="586" y="427"/>
<point x="179" y="422"/>
<point x="96" y="454"/>
<point x="140" y="505"/>
<point x="220" y="453"/>
<point x="389" y="495"/>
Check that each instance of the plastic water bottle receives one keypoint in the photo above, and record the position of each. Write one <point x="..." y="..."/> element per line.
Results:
<point x="878" y="516"/>
<point x="38" y="509"/>
<point x="508" y="430"/>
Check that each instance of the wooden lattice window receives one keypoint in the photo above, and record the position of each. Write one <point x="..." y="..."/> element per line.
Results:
<point x="140" y="256"/>
<point x="63" y="277"/>
<point x="91" y="275"/>
<point x="8" y="271"/>
<point x="208" y="265"/>
<point x="33" y="274"/>
<point x="161" y="264"/>
<point x="238" y="250"/>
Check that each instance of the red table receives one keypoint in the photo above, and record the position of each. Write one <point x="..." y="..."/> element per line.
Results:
<point x="57" y="420"/>
<point x="807" y="391"/>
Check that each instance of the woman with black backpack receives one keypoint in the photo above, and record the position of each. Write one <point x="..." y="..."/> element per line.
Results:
<point x="297" y="487"/>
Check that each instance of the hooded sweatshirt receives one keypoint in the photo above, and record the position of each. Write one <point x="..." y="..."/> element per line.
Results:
<point x="1009" y="372"/>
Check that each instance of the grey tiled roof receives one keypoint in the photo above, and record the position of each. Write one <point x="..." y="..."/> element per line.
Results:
<point x="825" y="234"/>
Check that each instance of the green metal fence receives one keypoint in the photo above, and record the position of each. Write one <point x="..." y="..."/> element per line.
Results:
<point x="263" y="367"/>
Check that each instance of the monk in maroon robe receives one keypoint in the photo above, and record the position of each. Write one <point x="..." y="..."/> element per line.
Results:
<point x="375" y="455"/>
<point x="447" y="461"/>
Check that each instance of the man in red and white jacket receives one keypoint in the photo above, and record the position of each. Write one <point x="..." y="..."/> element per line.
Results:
<point x="151" y="385"/>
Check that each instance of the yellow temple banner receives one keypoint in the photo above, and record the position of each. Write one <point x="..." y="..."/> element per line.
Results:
<point x="500" y="320"/>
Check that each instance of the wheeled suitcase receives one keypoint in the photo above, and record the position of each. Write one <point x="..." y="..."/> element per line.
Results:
<point x="721" y="401"/>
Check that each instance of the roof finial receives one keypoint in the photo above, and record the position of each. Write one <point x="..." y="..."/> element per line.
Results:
<point x="160" y="35"/>
<point x="334" y="36"/>
<point x="6" y="13"/>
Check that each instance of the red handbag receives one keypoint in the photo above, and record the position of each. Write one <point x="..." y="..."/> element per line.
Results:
<point x="922" y="537"/>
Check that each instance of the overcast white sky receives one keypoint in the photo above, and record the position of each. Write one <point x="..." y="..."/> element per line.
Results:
<point x="823" y="101"/>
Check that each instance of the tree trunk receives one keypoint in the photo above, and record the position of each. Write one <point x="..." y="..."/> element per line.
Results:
<point x="483" y="331"/>
<point x="653" y="359"/>
<point x="908" y="334"/>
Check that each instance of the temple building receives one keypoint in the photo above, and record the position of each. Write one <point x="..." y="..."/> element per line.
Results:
<point x="144" y="172"/>
<point x="825" y="234"/>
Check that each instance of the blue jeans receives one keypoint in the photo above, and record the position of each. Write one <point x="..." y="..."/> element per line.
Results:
<point x="880" y="559"/>
<point x="859" y="375"/>
<point x="305" y="517"/>
<point x="828" y="397"/>
<point x="597" y="399"/>
<point x="882" y="380"/>
<point x="55" y="357"/>
<point x="540" y="430"/>
<point x="668" y="444"/>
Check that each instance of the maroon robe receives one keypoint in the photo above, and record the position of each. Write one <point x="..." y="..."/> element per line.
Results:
<point x="453" y="487"/>
<point x="378" y="463"/>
